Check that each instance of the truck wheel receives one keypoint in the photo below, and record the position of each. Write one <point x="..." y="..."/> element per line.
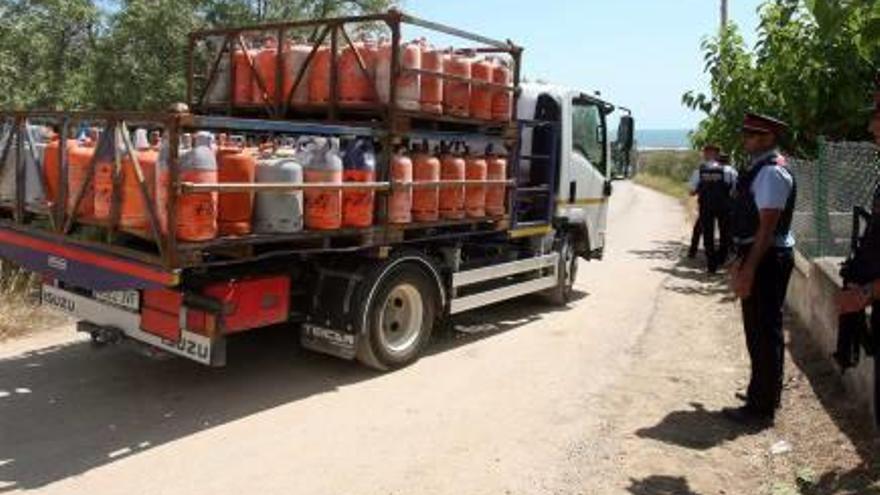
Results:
<point x="567" y="269"/>
<point x="401" y="310"/>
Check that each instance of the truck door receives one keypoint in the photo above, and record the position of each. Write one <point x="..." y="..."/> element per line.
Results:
<point x="585" y="195"/>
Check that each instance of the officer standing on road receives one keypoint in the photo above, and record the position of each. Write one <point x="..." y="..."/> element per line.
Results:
<point x="724" y="225"/>
<point x="710" y="155"/>
<point x="762" y="214"/>
<point x="713" y="183"/>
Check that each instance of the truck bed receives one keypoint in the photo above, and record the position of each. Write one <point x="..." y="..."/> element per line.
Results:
<point x="45" y="236"/>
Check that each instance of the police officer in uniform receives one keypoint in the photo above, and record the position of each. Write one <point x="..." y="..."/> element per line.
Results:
<point x="762" y="213"/>
<point x="724" y="227"/>
<point x="713" y="183"/>
<point x="710" y="154"/>
<point x="855" y="298"/>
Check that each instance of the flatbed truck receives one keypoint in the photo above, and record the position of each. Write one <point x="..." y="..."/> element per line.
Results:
<point x="374" y="294"/>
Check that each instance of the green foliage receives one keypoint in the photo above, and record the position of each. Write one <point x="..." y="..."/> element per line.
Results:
<point x="667" y="171"/>
<point x="675" y="164"/>
<point x="813" y="66"/>
<point x="140" y="62"/>
<point x="129" y="54"/>
<point x="44" y="51"/>
<point x="662" y="184"/>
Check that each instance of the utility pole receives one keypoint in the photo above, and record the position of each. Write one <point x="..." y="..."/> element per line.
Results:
<point x="723" y="14"/>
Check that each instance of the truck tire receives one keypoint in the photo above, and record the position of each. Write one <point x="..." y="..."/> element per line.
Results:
<point x="567" y="268"/>
<point x="401" y="308"/>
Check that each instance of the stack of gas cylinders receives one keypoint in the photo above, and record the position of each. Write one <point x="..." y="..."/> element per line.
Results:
<point x="364" y="77"/>
<point x="207" y="158"/>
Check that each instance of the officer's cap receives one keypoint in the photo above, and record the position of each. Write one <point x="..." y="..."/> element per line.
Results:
<point x="763" y="124"/>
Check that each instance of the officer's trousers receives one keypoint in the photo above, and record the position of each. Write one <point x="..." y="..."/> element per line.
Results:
<point x="695" y="238"/>
<point x="709" y="218"/>
<point x="762" y="319"/>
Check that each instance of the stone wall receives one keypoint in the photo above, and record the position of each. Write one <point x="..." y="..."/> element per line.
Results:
<point x="811" y="298"/>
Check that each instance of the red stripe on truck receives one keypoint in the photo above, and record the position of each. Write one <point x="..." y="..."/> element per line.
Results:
<point x="81" y="255"/>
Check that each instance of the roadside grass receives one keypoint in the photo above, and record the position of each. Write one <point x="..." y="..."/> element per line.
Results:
<point x="19" y="311"/>
<point x="667" y="171"/>
<point x="663" y="184"/>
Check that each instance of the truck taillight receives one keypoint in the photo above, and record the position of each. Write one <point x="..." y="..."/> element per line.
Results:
<point x="161" y="315"/>
<point x="252" y="303"/>
<point x="246" y="304"/>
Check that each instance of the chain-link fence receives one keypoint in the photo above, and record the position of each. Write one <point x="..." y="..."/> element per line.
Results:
<point x="842" y="176"/>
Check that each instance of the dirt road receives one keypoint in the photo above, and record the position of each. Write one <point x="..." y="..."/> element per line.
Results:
<point x="612" y="395"/>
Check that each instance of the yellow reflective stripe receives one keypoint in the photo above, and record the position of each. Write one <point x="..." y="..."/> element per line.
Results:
<point x="529" y="231"/>
<point x="582" y="202"/>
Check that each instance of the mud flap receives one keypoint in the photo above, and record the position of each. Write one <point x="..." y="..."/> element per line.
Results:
<point x="328" y="341"/>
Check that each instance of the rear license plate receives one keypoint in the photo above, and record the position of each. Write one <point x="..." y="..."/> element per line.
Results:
<point x="127" y="299"/>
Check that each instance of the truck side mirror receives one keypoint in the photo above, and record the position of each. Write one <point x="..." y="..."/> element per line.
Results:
<point x="625" y="130"/>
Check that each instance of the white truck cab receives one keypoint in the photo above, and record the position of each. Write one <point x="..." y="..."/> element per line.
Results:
<point x="583" y="186"/>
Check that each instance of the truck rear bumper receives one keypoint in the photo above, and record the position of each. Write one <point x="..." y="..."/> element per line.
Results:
<point x="81" y="266"/>
<point x="204" y="350"/>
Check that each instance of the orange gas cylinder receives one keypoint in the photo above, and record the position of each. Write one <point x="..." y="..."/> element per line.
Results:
<point x="197" y="212"/>
<point x="52" y="167"/>
<point x="163" y="176"/>
<point x="457" y="94"/>
<point x="234" y="210"/>
<point x="452" y="167"/>
<point x="383" y="70"/>
<point x="359" y="164"/>
<point x="323" y="208"/>
<point x="294" y="59"/>
<point x="431" y="97"/>
<point x="103" y="197"/>
<point x="481" y="96"/>
<point x="133" y="213"/>
<point x="400" y="200"/>
<point x="155" y="140"/>
<point x="319" y="77"/>
<point x="244" y="77"/>
<point x="475" y="195"/>
<point x="266" y="63"/>
<point x="355" y="85"/>
<point x="495" y="194"/>
<point x="426" y="200"/>
<point x="501" y="98"/>
<point x="408" y="83"/>
<point x="78" y="161"/>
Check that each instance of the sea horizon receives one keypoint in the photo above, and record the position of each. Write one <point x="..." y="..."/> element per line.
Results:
<point x="672" y="139"/>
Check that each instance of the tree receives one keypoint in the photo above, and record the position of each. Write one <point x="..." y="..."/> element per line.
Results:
<point x="140" y="64"/>
<point x="813" y="66"/>
<point x="130" y="54"/>
<point x="44" y="51"/>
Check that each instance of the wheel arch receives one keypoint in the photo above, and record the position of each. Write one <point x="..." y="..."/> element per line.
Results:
<point x="414" y="257"/>
<point x="577" y="224"/>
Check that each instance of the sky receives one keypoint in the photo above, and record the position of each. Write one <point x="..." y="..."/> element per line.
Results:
<point x="642" y="54"/>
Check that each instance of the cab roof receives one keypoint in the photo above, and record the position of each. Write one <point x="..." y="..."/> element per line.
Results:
<point x="532" y="90"/>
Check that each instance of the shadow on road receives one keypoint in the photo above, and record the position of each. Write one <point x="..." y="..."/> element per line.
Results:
<point x="496" y="319"/>
<point x="660" y="485"/>
<point x="66" y="410"/>
<point x="689" y="274"/>
<point x="849" y="417"/>
<point x="696" y="428"/>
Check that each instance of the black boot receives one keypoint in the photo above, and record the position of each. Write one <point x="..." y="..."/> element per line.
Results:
<point x="748" y="417"/>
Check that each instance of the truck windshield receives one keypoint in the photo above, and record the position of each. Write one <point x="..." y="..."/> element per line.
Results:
<point x="588" y="133"/>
